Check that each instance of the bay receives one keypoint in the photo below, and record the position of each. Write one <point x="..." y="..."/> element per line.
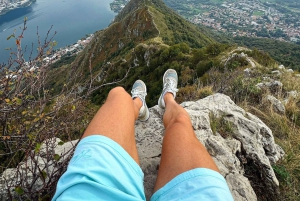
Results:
<point x="71" y="19"/>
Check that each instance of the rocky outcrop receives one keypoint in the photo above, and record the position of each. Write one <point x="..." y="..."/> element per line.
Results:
<point x="242" y="55"/>
<point x="247" y="72"/>
<point x="248" y="146"/>
<point x="41" y="169"/>
<point x="276" y="104"/>
<point x="276" y="72"/>
<point x="290" y="96"/>
<point x="274" y="86"/>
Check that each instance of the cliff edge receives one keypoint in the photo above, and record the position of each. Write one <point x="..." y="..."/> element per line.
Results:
<point x="241" y="144"/>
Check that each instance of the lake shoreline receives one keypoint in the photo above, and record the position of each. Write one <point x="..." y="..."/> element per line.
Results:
<point x="89" y="17"/>
<point x="25" y="5"/>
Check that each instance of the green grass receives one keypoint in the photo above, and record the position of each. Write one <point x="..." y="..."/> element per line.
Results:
<point x="221" y="125"/>
<point x="160" y="23"/>
<point x="174" y="29"/>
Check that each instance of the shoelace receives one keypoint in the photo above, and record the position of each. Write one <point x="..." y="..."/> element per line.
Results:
<point x="170" y="85"/>
<point x="138" y="92"/>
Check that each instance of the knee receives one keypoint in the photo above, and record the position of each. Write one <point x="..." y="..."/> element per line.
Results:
<point x="179" y="128"/>
<point x="182" y="118"/>
<point x="117" y="91"/>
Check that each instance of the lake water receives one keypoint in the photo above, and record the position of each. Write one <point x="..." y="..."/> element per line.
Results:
<point x="71" y="19"/>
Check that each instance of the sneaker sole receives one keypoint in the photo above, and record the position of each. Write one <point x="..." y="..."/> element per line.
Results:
<point x="147" y="115"/>
<point x="159" y="100"/>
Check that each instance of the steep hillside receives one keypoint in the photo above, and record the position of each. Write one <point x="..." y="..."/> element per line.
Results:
<point x="286" y="53"/>
<point x="138" y="22"/>
<point x="118" y="39"/>
<point x="113" y="50"/>
<point x="173" y="28"/>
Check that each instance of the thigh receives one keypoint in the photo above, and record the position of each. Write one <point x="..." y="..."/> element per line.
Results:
<point x="101" y="170"/>
<point x="181" y="151"/>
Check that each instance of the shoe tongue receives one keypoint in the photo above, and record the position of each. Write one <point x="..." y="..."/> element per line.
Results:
<point x="170" y="81"/>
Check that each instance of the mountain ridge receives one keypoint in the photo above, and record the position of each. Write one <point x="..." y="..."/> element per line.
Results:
<point x="146" y="22"/>
<point x="140" y="15"/>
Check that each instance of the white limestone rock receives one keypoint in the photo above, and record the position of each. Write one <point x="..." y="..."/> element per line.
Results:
<point x="267" y="79"/>
<point x="274" y="86"/>
<point x="276" y="72"/>
<point x="251" y="142"/>
<point x="276" y="104"/>
<point x="247" y="72"/>
<point x="242" y="55"/>
<point x="292" y="94"/>
<point x="135" y="62"/>
<point x="121" y="44"/>
<point x="239" y="187"/>
<point x="48" y="146"/>
<point x="30" y="169"/>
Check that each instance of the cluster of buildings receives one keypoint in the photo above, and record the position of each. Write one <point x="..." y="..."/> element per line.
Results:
<point x="68" y="51"/>
<point x="8" y="5"/>
<point x="55" y="56"/>
<point x="249" y="18"/>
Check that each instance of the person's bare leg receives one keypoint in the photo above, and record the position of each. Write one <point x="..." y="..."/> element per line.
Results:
<point x="181" y="150"/>
<point x="115" y="120"/>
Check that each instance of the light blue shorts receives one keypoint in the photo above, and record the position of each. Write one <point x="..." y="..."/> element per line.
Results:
<point x="102" y="170"/>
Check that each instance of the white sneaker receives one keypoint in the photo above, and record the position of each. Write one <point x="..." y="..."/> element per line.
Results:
<point x="139" y="90"/>
<point x="170" y="81"/>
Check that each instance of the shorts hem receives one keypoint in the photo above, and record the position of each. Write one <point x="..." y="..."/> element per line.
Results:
<point x="115" y="146"/>
<point x="181" y="178"/>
